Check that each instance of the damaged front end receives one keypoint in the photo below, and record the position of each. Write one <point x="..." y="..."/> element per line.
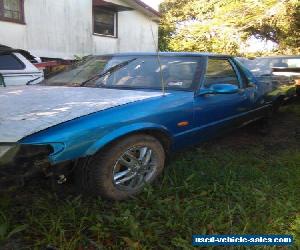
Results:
<point x="21" y="162"/>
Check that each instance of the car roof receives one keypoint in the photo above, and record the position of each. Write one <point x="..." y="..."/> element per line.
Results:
<point x="168" y="54"/>
<point x="5" y="50"/>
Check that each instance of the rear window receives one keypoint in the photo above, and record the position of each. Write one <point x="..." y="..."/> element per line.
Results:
<point x="10" y="62"/>
<point x="265" y="66"/>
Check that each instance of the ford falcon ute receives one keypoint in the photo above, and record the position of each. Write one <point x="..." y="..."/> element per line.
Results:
<point x="111" y="121"/>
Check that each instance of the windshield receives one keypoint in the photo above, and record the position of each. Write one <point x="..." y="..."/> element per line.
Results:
<point x="265" y="66"/>
<point x="132" y="72"/>
<point x="79" y="72"/>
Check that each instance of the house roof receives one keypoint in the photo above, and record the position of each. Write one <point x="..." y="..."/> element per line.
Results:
<point x="111" y="5"/>
<point x="148" y="8"/>
<point x="145" y="8"/>
<point x="136" y="4"/>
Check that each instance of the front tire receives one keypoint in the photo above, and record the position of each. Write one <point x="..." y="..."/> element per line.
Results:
<point x="123" y="169"/>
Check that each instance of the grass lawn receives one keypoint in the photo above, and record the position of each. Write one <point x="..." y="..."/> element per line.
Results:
<point x="243" y="183"/>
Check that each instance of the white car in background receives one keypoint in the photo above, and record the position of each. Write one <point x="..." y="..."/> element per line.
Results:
<point x="16" y="69"/>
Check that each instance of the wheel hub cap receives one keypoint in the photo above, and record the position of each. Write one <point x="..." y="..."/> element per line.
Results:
<point x="134" y="168"/>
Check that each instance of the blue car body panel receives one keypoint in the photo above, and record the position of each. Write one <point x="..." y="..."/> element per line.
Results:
<point x="205" y="115"/>
<point x="86" y="135"/>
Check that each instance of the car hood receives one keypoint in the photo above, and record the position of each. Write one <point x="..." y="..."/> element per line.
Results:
<point x="25" y="110"/>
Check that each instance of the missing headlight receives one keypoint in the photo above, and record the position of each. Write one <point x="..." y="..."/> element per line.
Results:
<point x="21" y="154"/>
<point x="20" y="162"/>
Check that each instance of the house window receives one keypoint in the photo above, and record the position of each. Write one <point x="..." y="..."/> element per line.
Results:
<point x="105" y="22"/>
<point x="12" y="10"/>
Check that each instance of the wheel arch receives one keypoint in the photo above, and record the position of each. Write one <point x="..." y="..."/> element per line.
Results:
<point x="158" y="132"/>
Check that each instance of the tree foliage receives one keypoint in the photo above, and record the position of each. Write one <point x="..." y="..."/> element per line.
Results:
<point x="224" y="26"/>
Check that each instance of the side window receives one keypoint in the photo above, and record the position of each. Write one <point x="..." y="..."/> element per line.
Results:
<point x="10" y="62"/>
<point x="220" y="71"/>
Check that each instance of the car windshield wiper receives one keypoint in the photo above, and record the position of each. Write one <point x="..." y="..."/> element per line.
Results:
<point x="108" y="71"/>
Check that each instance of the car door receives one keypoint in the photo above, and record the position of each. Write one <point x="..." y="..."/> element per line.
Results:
<point x="250" y="90"/>
<point x="218" y="113"/>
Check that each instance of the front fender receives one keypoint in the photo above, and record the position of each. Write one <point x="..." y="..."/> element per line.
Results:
<point x="123" y="131"/>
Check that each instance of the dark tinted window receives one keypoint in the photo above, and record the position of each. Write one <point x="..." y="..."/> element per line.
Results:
<point x="105" y="22"/>
<point x="10" y="62"/>
<point x="220" y="71"/>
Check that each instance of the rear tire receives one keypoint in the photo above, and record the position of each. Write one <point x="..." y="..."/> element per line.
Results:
<point x="139" y="158"/>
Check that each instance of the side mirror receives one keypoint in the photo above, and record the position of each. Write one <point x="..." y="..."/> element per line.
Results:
<point x="2" y="82"/>
<point x="223" y="88"/>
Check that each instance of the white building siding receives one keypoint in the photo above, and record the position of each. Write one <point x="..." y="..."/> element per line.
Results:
<point x="64" y="28"/>
<point x="135" y="32"/>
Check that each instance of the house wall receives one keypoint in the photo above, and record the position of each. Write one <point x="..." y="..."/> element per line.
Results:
<point x="64" y="28"/>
